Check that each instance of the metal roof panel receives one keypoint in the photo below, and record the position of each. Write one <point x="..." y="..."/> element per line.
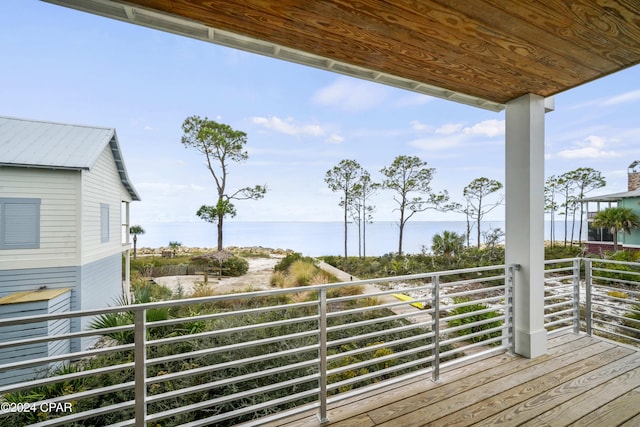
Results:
<point x="46" y="144"/>
<point x="34" y="143"/>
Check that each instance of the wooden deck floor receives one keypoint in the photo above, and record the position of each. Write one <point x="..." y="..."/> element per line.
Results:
<point x="582" y="381"/>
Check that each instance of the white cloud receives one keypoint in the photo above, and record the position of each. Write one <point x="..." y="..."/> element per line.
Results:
<point x="351" y="95"/>
<point x="418" y="126"/>
<point x="438" y="143"/>
<point x="335" y="139"/>
<point x="449" y="128"/>
<point x="288" y="126"/>
<point x="622" y="98"/>
<point x="488" y="128"/>
<point x="454" y="135"/>
<point x="590" y="148"/>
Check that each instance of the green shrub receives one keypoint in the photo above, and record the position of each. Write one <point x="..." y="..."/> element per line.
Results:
<point x="561" y="252"/>
<point x="472" y="318"/>
<point x="148" y="291"/>
<point x="302" y="272"/>
<point x="625" y="256"/>
<point x="235" y="266"/>
<point x="286" y="262"/>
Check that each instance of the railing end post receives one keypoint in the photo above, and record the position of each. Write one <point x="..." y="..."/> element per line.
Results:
<point x="140" y="366"/>
<point x="435" y="374"/>
<point x="322" y="354"/>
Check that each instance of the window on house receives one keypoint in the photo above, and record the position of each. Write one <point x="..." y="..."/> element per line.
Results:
<point x="599" y="234"/>
<point x="104" y="223"/>
<point x="19" y="223"/>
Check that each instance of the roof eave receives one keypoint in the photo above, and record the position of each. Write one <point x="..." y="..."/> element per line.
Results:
<point x="613" y="197"/>
<point x="36" y="166"/>
<point x="122" y="170"/>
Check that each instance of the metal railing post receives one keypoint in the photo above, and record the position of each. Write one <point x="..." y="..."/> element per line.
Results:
<point x="436" y="328"/>
<point x="576" y="296"/>
<point x="140" y="366"/>
<point x="508" y="341"/>
<point x="588" y="265"/>
<point x="322" y="353"/>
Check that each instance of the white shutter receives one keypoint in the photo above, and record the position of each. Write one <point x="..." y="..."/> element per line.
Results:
<point x="20" y="221"/>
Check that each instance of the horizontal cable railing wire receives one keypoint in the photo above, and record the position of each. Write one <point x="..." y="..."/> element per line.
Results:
<point x="228" y="359"/>
<point x="613" y="299"/>
<point x="562" y="295"/>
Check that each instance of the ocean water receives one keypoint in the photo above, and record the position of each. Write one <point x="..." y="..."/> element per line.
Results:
<point x="309" y="238"/>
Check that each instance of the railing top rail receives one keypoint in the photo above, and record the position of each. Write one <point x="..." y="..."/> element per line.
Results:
<point x="611" y="261"/>
<point x="556" y="261"/>
<point x="241" y="295"/>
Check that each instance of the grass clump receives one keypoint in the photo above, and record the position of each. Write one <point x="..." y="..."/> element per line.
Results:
<point x="302" y="272"/>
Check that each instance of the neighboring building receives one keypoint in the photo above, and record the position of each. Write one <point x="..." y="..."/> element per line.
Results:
<point x="600" y="240"/>
<point x="64" y="215"/>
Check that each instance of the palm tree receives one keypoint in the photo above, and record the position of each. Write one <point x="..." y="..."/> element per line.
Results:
<point x="447" y="244"/>
<point x="135" y="230"/>
<point x="617" y="219"/>
<point x="174" y="247"/>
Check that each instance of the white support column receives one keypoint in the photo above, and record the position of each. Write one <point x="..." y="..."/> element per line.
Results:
<point x="524" y="244"/>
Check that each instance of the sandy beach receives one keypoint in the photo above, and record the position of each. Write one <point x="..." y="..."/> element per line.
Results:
<point x="257" y="278"/>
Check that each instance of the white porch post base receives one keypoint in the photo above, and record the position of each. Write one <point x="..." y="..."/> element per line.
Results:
<point x="524" y="208"/>
<point x="531" y="343"/>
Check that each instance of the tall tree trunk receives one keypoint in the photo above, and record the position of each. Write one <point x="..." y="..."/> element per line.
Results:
<point x="360" y="238"/>
<point x="478" y="231"/>
<point x="479" y="219"/>
<point x="220" y="219"/>
<point x="553" y="229"/>
<point x="566" y="221"/>
<point x="580" y="230"/>
<point x="345" y="226"/>
<point x="573" y="225"/>
<point x="364" y="235"/>
<point x="135" y="243"/>
<point x="401" y="230"/>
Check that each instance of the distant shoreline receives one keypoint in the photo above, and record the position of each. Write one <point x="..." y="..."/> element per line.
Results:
<point x="193" y="250"/>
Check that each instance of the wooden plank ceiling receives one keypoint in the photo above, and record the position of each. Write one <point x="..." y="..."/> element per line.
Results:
<point x="481" y="52"/>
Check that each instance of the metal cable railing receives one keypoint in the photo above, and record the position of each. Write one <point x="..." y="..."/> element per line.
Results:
<point x="612" y="306"/>
<point x="562" y="295"/>
<point x="227" y="359"/>
<point x="598" y="296"/>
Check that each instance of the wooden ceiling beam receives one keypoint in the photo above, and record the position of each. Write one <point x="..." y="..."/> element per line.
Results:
<point x="474" y="50"/>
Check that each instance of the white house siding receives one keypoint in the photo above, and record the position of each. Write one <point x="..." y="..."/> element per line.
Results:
<point x="59" y="304"/>
<point x="102" y="185"/>
<point x="101" y="287"/>
<point x="94" y="285"/>
<point x="58" y="191"/>
<point x="32" y="279"/>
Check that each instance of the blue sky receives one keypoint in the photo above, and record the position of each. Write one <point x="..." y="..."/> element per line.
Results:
<point x="67" y="66"/>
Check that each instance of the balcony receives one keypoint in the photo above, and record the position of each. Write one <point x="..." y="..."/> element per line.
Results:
<point x="345" y="354"/>
<point x="581" y="380"/>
